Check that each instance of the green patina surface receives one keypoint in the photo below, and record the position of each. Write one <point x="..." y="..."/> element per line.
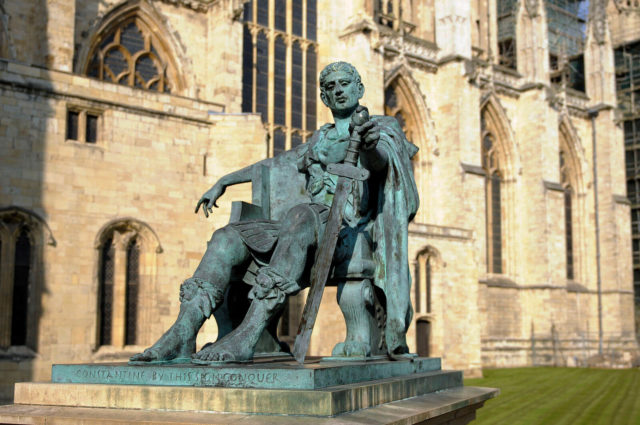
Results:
<point x="321" y="203"/>
<point x="281" y="375"/>
<point x="561" y="396"/>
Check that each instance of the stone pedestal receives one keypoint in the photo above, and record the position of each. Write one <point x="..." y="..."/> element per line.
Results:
<point x="414" y="390"/>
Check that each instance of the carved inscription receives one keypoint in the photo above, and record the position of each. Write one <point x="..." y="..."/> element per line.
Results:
<point x="176" y="377"/>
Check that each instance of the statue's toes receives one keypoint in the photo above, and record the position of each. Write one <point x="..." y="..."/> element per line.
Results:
<point x="207" y="356"/>
<point x="221" y="357"/>
<point x="145" y="356"/>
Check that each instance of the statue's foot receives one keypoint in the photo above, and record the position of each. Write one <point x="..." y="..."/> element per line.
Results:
<point x="227" y="350"/>
<point x="172" y="347"/>
<point x="351" y="349"/>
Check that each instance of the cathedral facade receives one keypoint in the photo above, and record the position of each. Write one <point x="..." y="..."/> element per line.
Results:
<point x="117" y="115"/>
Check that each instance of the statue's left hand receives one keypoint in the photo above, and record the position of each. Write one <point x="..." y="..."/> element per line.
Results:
<point x="370" y="135"/>
<point x="208" y="200"/>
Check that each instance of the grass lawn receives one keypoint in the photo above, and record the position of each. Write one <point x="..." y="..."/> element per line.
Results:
<point x="558" y="396"/>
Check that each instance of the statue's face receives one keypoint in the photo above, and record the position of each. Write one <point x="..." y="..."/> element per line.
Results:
<point x="341" y="91"/>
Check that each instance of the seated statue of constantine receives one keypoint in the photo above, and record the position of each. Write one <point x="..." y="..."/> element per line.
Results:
<point x="254" y="263"/>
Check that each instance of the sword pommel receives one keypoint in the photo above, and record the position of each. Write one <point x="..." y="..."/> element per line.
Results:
<point x="360" y="116"/>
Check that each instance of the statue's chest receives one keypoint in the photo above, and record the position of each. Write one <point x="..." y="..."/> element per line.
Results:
<point x="332" y="148"/>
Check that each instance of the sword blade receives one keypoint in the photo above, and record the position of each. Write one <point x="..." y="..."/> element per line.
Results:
<point x="321" y="269"/>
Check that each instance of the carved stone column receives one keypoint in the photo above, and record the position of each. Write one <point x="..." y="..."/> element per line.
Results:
<point x="532" y="44"/>
<point x="598" y="57"/>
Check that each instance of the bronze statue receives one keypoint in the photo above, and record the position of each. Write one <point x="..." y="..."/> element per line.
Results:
<point x="274" y="257"/>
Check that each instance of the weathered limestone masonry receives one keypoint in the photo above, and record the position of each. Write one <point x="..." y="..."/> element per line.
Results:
<point x="156" y="153"/>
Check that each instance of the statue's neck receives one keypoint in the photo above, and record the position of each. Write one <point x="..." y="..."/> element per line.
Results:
<point x="342" y="125"/>
<point x="342" y="120"/>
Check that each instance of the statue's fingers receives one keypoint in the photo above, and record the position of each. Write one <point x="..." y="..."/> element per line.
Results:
<point x="371" y="140"/>
<point x="367" y="126"/>
<point x="206" y="213"/>
<point x="198" y="205"/>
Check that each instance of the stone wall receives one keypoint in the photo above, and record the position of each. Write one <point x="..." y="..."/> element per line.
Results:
<point x="157" y="153"/>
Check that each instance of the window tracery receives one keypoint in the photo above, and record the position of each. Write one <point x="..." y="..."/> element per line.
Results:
<point x="130" y="53"/>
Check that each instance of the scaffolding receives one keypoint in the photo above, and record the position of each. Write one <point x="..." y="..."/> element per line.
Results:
<point x="566" y="23"/>
<point x="627" y="66"/>
<point x="507" y="33"/>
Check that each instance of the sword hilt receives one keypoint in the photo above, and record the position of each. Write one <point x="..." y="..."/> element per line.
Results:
<point x="359" y="117"/>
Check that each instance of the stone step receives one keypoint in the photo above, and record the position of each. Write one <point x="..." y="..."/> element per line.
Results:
<point x="328" y="401"/>
<point x="456" y="405"/>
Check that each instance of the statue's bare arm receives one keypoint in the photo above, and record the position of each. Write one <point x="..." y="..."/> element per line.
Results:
<point x="208" y="200"/>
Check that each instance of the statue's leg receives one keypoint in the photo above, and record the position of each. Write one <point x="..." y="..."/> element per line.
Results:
<point x="200" y="295"/>
<point x="297" y="237"/>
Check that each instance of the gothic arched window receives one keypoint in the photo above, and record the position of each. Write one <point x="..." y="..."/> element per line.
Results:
<point x="394" y="106"/>
<point x="21" y="244"/>
<point x="126" y="271"/>
<point x="422" y="287"/>
<point x="131" y="54"/>
<point x="286" y="97"/>
<point x="493" y="181"/>
<point x="568" y="213"/>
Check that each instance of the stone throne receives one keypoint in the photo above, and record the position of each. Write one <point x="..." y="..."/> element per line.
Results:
<point x="274" y="192"/>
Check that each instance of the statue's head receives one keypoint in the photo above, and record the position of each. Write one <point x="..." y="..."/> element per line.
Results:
<point x="340" y="87"/>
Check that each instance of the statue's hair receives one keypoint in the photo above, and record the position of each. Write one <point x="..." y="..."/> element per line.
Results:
<point x="338" y="66"/>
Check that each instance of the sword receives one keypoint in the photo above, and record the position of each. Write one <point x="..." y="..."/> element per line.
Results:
<point x="347" y="172"/>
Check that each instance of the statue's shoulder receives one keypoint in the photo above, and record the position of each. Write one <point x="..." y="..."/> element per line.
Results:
<point x="391" y="127"/>
<point x="387" y="121"/>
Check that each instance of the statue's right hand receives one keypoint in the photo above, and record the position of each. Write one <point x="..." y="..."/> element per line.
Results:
<point x="208" y="200"/>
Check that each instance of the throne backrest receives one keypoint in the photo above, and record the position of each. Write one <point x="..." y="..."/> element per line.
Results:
<point x="277" y="186"/>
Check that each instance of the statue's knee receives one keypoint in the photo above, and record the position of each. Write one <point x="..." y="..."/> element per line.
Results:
<point x="299" y="219"/>
<point x="224" y="239"/>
